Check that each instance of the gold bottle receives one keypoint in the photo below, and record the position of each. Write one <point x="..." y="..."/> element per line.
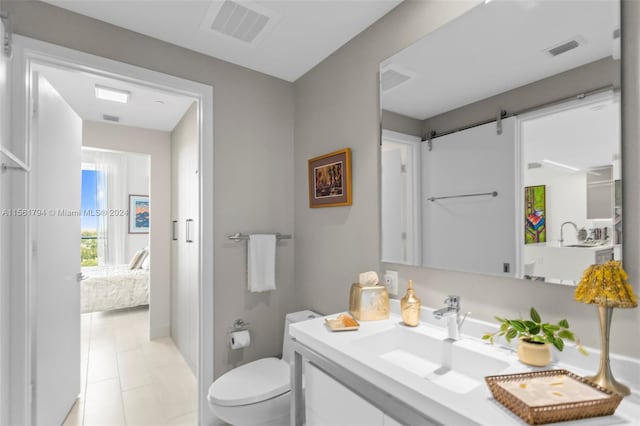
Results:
<point x="410" y="307"/>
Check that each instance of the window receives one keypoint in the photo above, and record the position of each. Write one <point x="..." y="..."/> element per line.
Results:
<point x="89" y="220"/>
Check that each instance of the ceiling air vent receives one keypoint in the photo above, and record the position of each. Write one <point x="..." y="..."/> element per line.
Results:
<point x="534" y="165"/>
<point x="565" y="46"/>
<point x="392" y="76"/>
<point x="108" y="117"/>
<point x="239" y="20"/>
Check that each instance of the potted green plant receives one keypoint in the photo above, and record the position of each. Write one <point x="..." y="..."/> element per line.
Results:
<point x="535" y="337"/>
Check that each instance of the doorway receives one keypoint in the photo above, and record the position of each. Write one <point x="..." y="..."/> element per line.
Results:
<point x="29" y="55"/>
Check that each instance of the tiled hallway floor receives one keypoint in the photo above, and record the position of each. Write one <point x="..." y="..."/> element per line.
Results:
<point x="128" y="379"/>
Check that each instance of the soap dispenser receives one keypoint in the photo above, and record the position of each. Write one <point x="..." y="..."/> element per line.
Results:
<point x="410" y="307"/>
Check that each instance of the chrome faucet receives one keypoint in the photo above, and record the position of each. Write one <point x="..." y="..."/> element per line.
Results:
<point x="562" y="230"/>
<point x="452" y="313"/>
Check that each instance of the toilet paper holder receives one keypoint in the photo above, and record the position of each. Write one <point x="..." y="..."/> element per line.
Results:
<point x="239" y="325"/>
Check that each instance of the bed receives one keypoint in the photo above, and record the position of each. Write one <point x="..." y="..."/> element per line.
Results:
<point x="113" y="287"/>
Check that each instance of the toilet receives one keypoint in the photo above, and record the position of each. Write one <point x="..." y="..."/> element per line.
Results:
<point x="258" y="393"/>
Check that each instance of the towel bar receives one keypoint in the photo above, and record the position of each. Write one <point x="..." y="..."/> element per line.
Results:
<point x="239" y="237"/>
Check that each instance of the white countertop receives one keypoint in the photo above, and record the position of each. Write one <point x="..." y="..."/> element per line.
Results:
<point x="474" y="407"/>
<point x="556" y="244"/>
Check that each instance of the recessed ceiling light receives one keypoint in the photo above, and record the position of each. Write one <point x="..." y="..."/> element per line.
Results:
<point x="114" y="95"/>
<point x="555" y="163"/>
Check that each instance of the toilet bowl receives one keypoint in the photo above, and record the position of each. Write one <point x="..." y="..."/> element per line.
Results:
<point x="257" y="393"/>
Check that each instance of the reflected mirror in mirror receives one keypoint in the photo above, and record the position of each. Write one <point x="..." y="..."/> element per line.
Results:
<point x="500" y="149"/>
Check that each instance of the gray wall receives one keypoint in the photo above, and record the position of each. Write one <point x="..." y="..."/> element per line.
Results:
<point x="401" y="123"/>
<point x="592" y="76"/>
<point x="337" y="106"/>
<point x="253" y="160"/>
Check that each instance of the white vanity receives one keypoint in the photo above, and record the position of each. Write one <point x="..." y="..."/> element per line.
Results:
<point x="388" y="374"/>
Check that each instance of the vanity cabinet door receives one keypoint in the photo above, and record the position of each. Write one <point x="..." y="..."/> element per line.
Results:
<point x="329" y="403"/>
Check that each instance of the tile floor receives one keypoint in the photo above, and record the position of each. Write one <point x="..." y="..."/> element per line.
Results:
<point x="128" y="379"/>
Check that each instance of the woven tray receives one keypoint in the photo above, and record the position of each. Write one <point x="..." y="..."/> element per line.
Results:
<point x="531" y="396"/>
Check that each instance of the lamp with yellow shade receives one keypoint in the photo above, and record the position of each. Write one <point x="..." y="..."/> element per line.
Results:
<point x="606" y="285"/>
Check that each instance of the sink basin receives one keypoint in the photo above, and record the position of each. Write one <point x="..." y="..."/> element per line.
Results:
<point x="450" y="364"/>
<point x="585" y="245"/>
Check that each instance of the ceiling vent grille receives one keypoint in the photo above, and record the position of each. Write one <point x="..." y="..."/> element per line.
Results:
<point x="241" y="21"/>
<point x="113" y="118"/>
<point x="566" y="46"/>
<point x="392" y="77"/>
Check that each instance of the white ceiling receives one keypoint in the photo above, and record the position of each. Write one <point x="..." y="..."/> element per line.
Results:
<point x="496" y="47"/>
<point x="147" y="108"/>
<point x="305" y="31"/>
<point x="584" y="137"/>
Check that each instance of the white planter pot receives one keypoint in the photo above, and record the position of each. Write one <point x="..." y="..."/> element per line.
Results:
<point x="536" y="354"/>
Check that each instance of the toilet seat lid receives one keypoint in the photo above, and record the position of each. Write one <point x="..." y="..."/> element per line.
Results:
<point x="250" y="383"/>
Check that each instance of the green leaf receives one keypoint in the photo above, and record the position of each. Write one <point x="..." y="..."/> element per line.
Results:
<point x="558" y="343"/>
<point x="564" y="323"/>
<point x="549" y="335"/>
<point x="500" y="319"/>
<point x="550" y="327"/>
<point x="518" y="325"/>
<point x="532" y="327"/>
<point x="566" y="334"/>
<point x="534" y="315"/>
<point x="487" y="336"/>
<point x="511" y="334"/>
<point x="582" y="350"/>
<point x="539" y="339"/>
<point x="504" y="327"/>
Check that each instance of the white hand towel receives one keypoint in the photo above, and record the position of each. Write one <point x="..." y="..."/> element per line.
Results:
<point x="261" y="259"/>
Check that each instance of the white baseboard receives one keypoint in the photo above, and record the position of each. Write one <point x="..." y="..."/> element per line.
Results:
<point x="159" y="331"/>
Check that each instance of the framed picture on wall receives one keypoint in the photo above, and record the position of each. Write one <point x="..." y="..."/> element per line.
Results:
<point x="330" y="179"/>
<point x="535" y="230"/>
<point x="138" y="214"/>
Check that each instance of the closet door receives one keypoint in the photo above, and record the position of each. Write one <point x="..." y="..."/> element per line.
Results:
<point x="185" y="188"/>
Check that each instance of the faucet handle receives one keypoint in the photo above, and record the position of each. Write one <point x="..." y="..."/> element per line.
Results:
<point x="453" y="301"/>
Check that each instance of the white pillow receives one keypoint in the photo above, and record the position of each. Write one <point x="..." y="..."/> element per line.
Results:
<point x="137" y="259"/>
<point x="146" y="263"/>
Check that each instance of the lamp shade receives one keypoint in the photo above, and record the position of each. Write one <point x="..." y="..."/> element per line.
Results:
<point x="606" y="285"/>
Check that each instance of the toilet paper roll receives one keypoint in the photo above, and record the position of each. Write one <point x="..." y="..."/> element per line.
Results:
<point x="240" y="339"/>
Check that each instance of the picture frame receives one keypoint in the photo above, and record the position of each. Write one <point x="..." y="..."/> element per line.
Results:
<point x="330" y="179"/>
<point x="138" y="214"/>
<point x="535" y="212"/>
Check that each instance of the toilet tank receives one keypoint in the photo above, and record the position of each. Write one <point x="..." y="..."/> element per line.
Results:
<point x="291" y="318"/>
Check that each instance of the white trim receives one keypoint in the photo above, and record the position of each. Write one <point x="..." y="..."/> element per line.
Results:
<point x="519" y="199"/>
<point x="399" y="137"/>
<point x="26" y="51"/>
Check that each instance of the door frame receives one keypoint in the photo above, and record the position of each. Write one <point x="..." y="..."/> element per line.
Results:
<point x="27" y="51"/>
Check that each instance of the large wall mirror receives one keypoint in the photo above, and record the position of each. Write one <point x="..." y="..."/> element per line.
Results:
<point x="500" y="149"/>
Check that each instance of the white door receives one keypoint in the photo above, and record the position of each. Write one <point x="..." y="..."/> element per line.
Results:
<point x="5" y="247"/>
<point x="393" y="241"/>
<point x="55" y="231"/>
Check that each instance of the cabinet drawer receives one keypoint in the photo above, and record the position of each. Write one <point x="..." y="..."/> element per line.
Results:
<point x="331" y="403"/>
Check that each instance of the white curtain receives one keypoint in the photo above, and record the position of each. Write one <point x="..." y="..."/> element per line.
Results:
<point x="111" y="196"/>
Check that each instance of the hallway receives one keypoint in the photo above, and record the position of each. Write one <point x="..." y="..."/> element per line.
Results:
<point x="129" y="380"/>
